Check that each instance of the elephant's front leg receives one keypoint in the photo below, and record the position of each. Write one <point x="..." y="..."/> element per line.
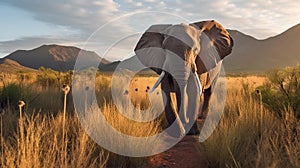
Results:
<point x="206" y="103"/>
<point x="175" y="128"/>
<point x="213" y="76"/>
<point x="193" y="105"/>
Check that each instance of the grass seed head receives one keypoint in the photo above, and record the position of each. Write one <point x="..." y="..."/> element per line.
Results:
<point x="66" y="89"/>
<point x="21" y="103"/>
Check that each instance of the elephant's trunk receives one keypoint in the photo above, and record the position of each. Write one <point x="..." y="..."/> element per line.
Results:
<point x="180" y="72"/>
<point x="182" y="99"/>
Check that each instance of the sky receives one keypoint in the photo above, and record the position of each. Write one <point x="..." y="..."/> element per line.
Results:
<point x="112" y="28"/>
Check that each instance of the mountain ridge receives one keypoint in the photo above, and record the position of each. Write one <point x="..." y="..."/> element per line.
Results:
<point x="56" y="57"/>
<point x="249" y="54"/>
<point x="253" y="55"/>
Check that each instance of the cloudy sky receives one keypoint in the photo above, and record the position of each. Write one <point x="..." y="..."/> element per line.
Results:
<point x="113" y="27"/>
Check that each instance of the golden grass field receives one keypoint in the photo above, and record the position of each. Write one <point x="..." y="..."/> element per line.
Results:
<point x="249" y="135"/>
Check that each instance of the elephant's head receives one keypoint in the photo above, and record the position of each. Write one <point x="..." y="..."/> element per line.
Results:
<point x="183" y="51"/>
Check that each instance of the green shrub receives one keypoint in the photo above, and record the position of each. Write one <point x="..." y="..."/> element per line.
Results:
<point x="282" y="91"/>
<point x="10" y="95"/>
<point x="47" y="77"/>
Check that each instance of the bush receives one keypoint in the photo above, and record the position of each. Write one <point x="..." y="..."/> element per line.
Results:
<point x="10" y="95"/>
<point x="47" y="77"/>
<point x="282" y="91"/>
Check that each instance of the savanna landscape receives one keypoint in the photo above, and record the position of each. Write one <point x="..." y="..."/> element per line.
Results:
<point x="150" y="84"/>
<point x="257" y="129"/>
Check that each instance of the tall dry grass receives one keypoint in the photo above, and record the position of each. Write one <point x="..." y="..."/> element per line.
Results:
<point x="251" y="136"/>
<point x="40" y="144"/>
<point x="112" y="116"/>
<point x="35" y="139"/>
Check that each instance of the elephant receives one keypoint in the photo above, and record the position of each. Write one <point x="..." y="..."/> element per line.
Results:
<point x="188" y="60"/>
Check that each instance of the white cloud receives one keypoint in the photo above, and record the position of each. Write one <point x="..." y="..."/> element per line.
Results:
<point x="138" y="4"/>
<point x="150" y="0"/>
<point x="260" y="19"/>
<point x="87" y="15"/>
<point x="82" y="15"/>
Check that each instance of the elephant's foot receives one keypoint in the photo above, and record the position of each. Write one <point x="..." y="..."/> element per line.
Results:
<point x="194" y="130"/>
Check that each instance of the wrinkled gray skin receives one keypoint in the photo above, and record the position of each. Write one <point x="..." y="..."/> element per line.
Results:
<point x="183" y="52"/>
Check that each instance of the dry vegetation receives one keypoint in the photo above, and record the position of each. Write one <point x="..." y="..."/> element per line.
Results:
<point x="249" y="135"/>
<point x="35" y="139"/>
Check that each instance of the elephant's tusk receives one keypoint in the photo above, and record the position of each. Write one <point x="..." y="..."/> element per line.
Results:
<point x="198" y="84"/>
<point x="158" y="81"/>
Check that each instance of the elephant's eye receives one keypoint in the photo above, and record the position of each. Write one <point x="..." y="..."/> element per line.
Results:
<point x="196" y="50"/>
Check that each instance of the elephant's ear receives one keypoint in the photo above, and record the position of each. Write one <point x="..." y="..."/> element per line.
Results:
<point x="216" y="43"/>
<point x="149" y="48"/>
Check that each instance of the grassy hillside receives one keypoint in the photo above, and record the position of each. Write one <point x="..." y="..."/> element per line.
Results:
<point x="8" y="65"/>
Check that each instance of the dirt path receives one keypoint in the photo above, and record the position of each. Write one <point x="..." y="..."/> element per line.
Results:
<point x="185" y="154"/>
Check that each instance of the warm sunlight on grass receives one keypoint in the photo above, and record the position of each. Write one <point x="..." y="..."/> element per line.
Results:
<point x="249" y="135"/>
<point x="43" y="146"/>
